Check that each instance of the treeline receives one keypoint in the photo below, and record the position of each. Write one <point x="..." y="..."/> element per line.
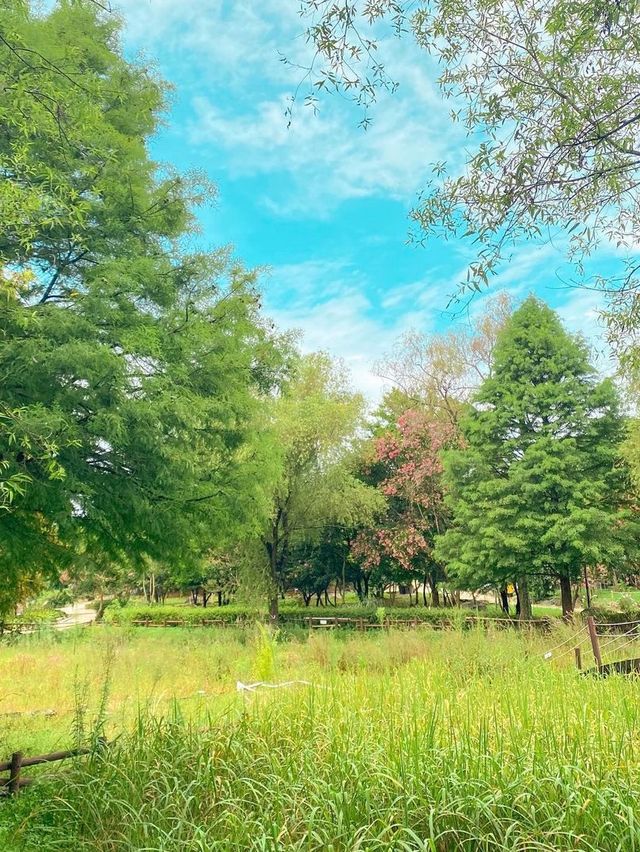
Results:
<point x="157" y="432"/>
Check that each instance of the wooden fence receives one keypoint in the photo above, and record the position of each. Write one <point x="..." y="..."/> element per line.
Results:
<point x="18" y="627"/>
<point x="329" y="622"/>
<point x="14" y="767"/>
<point x="361" y="623"/>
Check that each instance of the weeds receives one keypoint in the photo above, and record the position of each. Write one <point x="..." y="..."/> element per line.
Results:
<point x="408" y="741"/>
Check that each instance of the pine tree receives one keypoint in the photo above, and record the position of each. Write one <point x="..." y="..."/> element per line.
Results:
<point x="539" y="489"/>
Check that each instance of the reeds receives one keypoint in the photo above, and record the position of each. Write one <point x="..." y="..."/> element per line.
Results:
<point x="403" y="742"/>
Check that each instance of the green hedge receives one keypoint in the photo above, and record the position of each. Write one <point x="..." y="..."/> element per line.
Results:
<point x="290" y="614"/>
<point x="189" y="615"/>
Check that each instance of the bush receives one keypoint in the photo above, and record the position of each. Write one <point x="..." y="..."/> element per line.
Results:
<point x="607" y="616"/>
<point x="37" y="615"/>
<point x="291" y="613"/>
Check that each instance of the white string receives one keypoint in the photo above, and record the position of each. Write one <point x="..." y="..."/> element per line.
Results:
<point x="621" y="636"/>
<point x="548" y="654"/>
<point x="615" y="623"/>
<point x="251" y="687"/>
<point x="628" y="642"/>
<point x="583" y="644"/>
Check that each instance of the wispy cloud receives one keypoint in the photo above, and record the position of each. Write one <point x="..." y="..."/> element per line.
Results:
<point x="238" y="91"/>
<point x="336" y="310"/>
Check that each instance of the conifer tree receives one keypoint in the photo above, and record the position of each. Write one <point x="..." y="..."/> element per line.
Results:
<point x="131" y="366"/>
<point x="539" y="489"/>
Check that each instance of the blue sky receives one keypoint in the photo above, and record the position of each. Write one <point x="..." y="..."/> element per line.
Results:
<point x="324" y="204"/>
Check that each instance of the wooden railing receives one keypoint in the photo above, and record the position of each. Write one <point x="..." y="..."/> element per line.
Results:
<point x="360" y="623"/>
<point x="14" y="767"/>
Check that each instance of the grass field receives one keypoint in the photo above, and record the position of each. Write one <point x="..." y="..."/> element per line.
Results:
<point x="401" y="741"/>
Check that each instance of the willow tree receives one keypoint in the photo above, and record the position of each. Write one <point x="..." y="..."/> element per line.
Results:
<point x="313" y="424"/>
<point x="538" y="487"/>
<point x="547" y="92"/>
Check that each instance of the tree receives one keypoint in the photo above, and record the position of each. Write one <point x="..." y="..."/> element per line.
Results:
<point x="313" y="422"/>
<point x="548" y="93"/>
<point x="132" y="369"/>
<point x="538" y="487"/>
<point x="408" y="470"/>
<point x="439" y="372"/>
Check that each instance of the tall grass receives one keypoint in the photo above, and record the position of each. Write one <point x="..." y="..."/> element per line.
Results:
<point x="413" y="741"/>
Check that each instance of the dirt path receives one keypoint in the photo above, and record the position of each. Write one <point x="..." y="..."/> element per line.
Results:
<point x="75" y="614"/>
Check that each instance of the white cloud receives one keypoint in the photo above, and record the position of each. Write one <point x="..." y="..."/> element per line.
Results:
<point x="328" y="158"/>
<point x="238" y="90"/>
<point x="331" y="304"/>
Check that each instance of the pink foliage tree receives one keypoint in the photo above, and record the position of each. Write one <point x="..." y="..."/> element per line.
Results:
<point x="408" y="468"/>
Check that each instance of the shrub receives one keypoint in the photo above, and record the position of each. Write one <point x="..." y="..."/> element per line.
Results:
<point x="291" y="614"/>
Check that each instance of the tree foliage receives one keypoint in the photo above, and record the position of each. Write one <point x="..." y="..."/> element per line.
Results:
<point x="132" y="367"/>
<point x="407" y="468"/>
<point x="439" y="372"/>
<point x="538" y="488"/>
<point x="313" y="423"/>
<point x="548" y="92"/>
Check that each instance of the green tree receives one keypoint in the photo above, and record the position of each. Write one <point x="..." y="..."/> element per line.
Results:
<point x="547" y="91"/>
<point x="538" y="489"/>
<point x="314" y="421"/>
<point x="132" y="368"/>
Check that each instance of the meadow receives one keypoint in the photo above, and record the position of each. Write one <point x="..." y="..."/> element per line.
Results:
<point x="434" y="740"/>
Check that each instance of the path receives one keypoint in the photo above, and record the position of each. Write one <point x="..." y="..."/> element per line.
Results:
<point x="74" y="615"/>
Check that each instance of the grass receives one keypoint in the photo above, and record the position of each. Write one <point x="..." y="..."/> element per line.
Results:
<point x="603" y="597"/>
<point x="415" y="740"/>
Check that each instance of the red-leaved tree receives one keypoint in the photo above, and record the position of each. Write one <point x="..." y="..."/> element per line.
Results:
<point x="407" y="468"/>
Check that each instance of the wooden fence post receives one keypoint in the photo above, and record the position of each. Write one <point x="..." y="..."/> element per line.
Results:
<point x="595" y="642"/>
<point x="578" y="654"/>
<point x="14" y="773"/>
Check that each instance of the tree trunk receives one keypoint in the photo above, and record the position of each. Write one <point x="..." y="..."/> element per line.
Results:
<point x="526" y="613"/>
<point x="435" y="594"/>
<point x="272" y="550"/>
<point x="366" y="586"/>
<point x="504" y="600"/>
<point x="273" y="608"/>
<point x="566" y="596"/>
<point x="424" y="589"/>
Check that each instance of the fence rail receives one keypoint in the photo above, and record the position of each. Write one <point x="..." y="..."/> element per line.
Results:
<point x="360" y="623"/>
<point x="13" y="784"/>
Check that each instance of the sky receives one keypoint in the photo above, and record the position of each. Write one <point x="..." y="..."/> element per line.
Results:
<point x="322" y="205"/>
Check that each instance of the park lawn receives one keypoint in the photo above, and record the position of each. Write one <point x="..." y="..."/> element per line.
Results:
<point x="434" y="740"/>
<point x="602" y="597"/>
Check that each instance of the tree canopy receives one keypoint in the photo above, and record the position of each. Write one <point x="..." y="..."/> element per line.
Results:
<point x="132" y="367"/>
<point x="548" y="94"/>
<point x="313" y="423"/>
<point x="538" y="487"/>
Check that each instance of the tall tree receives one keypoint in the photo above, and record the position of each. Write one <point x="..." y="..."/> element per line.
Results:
<point x="548" y="91"/>
<point x="313" y="423"/>
<point x="538" y="488"/>
<point x="440" y="372"/>
<point x="407" y="469"/>
<point x="131" y="368"/>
